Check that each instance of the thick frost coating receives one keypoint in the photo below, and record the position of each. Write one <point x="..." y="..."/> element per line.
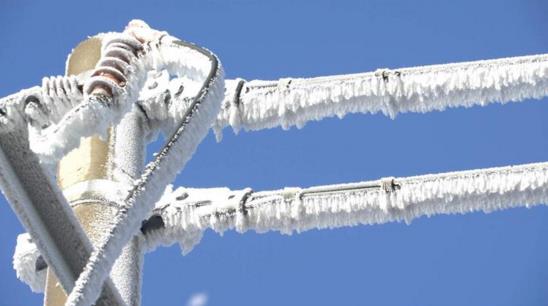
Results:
<point x="24" y="263"/>
<point x="210" y="201"/>
<point x="388" y="200"/>
<point x="171" y="86"/>
<point x="188" y="212"/>
<point x="93" y="116"/>
<point x="293" y="102"/>
<point x="12" y="109"/>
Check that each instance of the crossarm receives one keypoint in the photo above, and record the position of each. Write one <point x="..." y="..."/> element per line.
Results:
<point x="42" y="209"/>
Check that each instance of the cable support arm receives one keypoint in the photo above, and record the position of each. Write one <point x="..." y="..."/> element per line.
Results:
<point x="44" y="212"/>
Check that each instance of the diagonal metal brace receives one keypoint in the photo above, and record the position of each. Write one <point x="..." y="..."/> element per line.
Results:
<point x="44" y="212"/>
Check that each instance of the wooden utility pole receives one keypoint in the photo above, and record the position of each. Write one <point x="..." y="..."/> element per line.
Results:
<point x="88" y="172"/>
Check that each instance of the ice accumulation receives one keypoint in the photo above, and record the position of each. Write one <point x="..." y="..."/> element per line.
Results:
<point x="24" y="262"/>
<point x="388" y="200"/>
<point x="295" y="101"/>
<point x="12" y="108"/>
<point x="162" y="88"/>
<point x="187" y="213"/>
<point x="94" y="115"/>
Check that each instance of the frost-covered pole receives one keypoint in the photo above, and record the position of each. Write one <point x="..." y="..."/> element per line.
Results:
<point x="91" y="174"/>
<point x="127" y="159"/>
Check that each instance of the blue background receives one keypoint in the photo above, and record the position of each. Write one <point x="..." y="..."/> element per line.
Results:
<point x="475" y="259"/>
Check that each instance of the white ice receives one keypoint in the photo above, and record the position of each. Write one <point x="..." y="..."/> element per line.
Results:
<point x="187" y="213"/>
<point x="294" y="101"/>
<point x="296" y="210"/>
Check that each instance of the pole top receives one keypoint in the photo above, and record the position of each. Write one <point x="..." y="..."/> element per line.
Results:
<point x="84" y="57"/>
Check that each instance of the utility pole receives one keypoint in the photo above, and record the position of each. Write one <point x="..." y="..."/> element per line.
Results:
<point x="88" y="173"/>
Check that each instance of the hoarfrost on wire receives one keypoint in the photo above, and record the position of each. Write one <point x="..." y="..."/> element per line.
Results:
<point x="188" y="212"/>
<point x="296" y="210"/>
<point x="291" y="102"/>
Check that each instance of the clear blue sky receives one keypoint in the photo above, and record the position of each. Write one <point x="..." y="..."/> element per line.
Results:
<point x="476" y="259"/>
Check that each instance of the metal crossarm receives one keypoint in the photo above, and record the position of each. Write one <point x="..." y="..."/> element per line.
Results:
<point x="44" y="212"/>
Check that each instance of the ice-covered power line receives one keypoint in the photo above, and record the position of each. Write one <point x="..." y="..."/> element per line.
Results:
<point x="287" y="102"/>
<point x="255" y="105"/>
<point x="183" y="214"/>
<point x="187" y="213"/>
